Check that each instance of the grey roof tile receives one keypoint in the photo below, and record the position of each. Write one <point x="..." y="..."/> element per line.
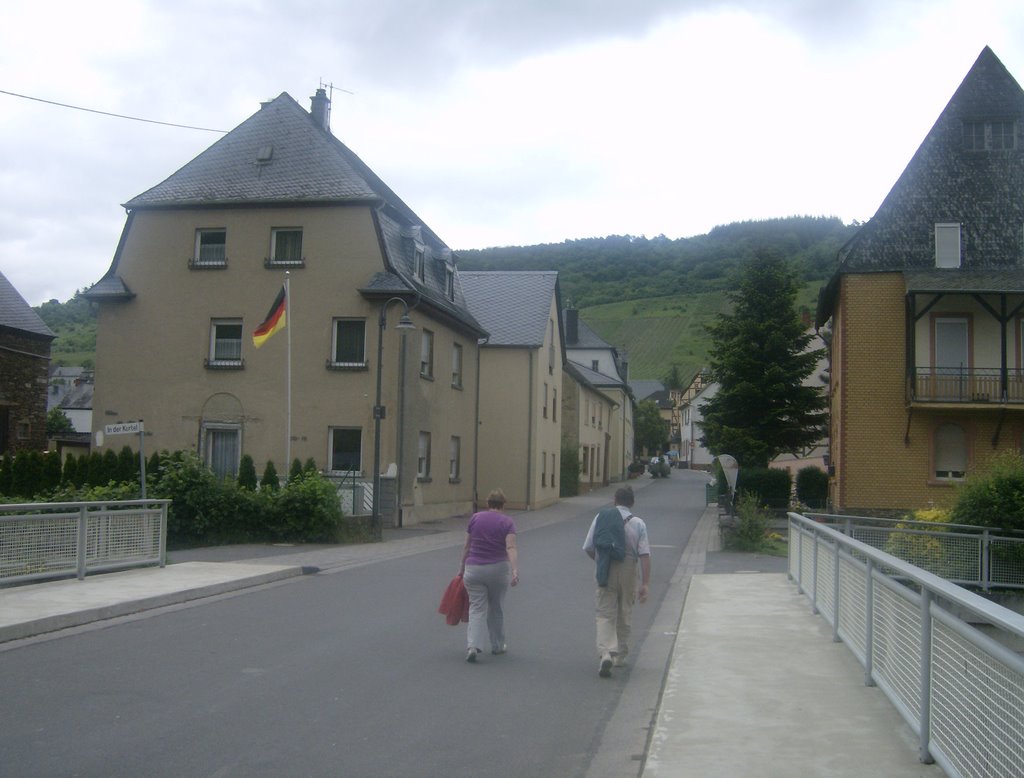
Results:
<point x="513" y="306"/>
<point x="16" y="314"/>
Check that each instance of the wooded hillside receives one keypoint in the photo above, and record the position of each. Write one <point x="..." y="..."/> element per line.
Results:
<point x="650" y="297"/>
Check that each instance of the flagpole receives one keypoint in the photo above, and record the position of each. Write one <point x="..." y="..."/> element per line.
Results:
<point x="288" y="392"/>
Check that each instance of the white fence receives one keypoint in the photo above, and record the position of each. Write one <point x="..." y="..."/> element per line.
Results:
<point x="948" y="659"/>
<point x="51" y="540"/>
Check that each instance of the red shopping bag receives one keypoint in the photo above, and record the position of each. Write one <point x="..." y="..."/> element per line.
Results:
<point x="455" y="602"/>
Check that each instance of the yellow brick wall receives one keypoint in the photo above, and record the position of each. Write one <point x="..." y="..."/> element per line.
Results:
<point x="882" y="453"/>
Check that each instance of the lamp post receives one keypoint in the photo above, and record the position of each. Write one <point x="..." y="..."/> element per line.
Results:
<point x="404" y="323"/>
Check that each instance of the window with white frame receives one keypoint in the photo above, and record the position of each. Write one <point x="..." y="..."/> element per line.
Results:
<point x="423" y="456"/>
<point x="545" y="407"/>
<point x="543" y="468"/>
<point x="947" y="244"/>
<point x="225" y="343"/>
<point x="595" y="365"/>
<point x="554" y="405"/>
<point x="286" y="246"/>
<point x="554" y="468"/>
<point x="346" y="449"/>
<point x="210" y="248"/>
<point x="449" y="282"/>
<point x="454" y="458"/>
<point x="457" y="365"/>
<point x="222" y="447"/>
<point x="551" y="347"/>
<point x="349" y="346"/>
<point x="950" y="443"/>
<point x="427" y="354"/>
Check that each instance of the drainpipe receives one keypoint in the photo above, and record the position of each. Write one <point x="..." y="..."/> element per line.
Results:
<point x="529" y="431"/>
<point x="476" y="428"/>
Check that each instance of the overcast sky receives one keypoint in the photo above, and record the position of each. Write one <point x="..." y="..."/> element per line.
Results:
<point x="500" y="122"/>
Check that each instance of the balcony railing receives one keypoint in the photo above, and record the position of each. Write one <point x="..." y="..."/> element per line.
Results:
<point x="967" y="385"/>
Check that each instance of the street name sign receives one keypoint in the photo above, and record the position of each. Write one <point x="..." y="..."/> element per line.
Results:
<point x="123" y="428"/>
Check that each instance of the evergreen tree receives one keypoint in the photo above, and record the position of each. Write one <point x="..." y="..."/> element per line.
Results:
<point x="111" y="467"/>
<point x="270" y="479"/>
<point x="95" y="471"/>
<point x="760" y="357"/>
<point x="247" y="473"/>
<point x="295" y="473"/>
<point x="127" y="465"/>
<point x="70" y="472"/>
<point x="51" y="472"/>
<point x="6" y="475"/>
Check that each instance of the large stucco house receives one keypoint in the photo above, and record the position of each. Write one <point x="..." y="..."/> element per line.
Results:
<point x="205" y="253"/>
<point x="521" y="366"/>
<point x="24" y="367"/>
<point x="927" y="311"/>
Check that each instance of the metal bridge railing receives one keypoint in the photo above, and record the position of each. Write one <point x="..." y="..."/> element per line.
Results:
<point x="51" y="540"/>
<point x="962" y="553"/>
<point x="947" y="659"/>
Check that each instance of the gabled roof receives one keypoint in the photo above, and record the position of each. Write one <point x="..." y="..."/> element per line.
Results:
<point x="646" y="389"/>
<point x="946" y="182"/>
<point x="585" y="337"/>
<point x="513" y="306"/>
<point x="599" y="379"/>
<point x="577" y="372"/>
<point x="284" y="155"/>
<point x="16" y="314"/>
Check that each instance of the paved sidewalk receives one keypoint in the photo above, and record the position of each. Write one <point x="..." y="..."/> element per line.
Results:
<point x="754" y="684"/>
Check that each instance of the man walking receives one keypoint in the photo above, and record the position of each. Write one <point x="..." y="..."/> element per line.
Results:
<point x="617" y="541"/>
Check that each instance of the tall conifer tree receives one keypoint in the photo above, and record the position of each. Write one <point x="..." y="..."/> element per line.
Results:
<point x="761" y="357"/>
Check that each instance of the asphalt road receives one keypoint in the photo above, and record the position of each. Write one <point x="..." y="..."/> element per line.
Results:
<point x="347" y="673"/>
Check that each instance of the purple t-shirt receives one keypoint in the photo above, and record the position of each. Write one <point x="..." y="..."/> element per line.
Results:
<point x="487" y="532"/>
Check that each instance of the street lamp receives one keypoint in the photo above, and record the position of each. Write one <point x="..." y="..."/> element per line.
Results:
<point x="404" y="323"/>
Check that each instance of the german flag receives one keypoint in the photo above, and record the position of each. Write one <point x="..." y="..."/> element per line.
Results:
<point x="276" y="320"/>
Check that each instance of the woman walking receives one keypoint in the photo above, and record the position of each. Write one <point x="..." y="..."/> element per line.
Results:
<point x="490" y="563"/>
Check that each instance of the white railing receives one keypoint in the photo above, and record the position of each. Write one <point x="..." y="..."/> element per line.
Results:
<point x="52" y="540"/>
<point x="948" y="659"/>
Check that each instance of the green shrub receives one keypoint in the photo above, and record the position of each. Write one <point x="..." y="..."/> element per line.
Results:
<point x="306" y="510"/>
<point x="994" y="498"/>
<point x="751" y="531"/>
<point x="924" y="551"/>
<point x="295" y="471"/>
<point x="812" y="487"/>
<point x="772" y="486"/>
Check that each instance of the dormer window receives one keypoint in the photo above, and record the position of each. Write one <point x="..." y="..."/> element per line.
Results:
<point x="947" y="244"/>
<point x="449" y="282"/>
<point x="420" y="263"/>
<point x="996" y="135"/>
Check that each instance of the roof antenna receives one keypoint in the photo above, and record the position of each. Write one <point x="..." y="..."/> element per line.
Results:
<point x="331" y="87"/>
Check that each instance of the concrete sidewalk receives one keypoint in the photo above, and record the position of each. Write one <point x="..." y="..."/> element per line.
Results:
<point x="752" y="683"/>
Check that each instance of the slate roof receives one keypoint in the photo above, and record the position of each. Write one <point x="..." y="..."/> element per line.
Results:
<point x="513" y="306"/>
<point x="579" y="373"/>
<point x="585" y="337"/>
<point x="281" y="155"/>
<point x="598" y="379"/>
<point x="945" y="182"/>
<point x="983" y="191"/>
<point x="645" y="389"/>
<point x="970" y="280"/>
<point x="16" y="314"/>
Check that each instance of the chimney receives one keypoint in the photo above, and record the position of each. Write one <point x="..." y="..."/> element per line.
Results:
<point x="572" y="330"/>
<point x="320" y="109"/>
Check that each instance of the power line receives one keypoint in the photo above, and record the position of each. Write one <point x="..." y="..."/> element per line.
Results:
<point x="107" y="113"/>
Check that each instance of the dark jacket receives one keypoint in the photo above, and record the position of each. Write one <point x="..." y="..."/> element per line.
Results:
<point x="609" y="542"/>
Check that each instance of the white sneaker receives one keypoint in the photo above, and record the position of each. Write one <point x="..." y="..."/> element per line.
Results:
<point x="605" y="669"/>
<point x="471" y="655"/>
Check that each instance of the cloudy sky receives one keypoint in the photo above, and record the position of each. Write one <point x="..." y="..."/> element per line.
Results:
<point x="500" y="122"/>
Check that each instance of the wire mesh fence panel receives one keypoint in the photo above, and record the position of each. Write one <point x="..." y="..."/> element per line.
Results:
<point x="38" y="545"/>
<point x="896" y="647"/>
<point x="853" y="609"/>
<point x="977" y="707"/>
